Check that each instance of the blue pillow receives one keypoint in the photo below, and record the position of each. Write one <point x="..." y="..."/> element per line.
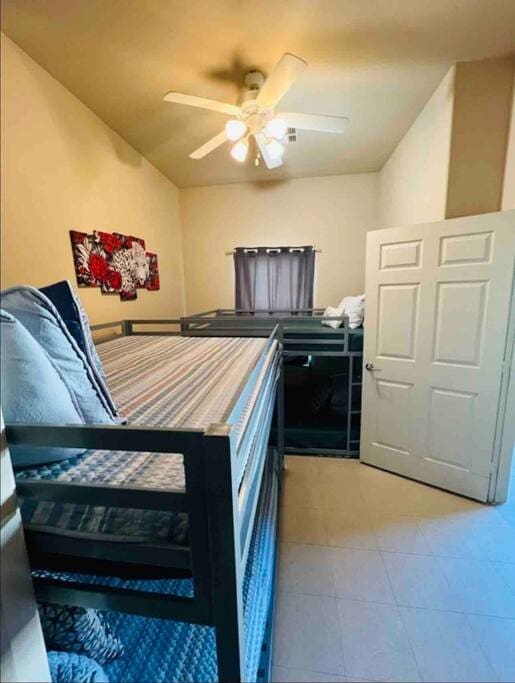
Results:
<point x="68" y="667"/>
<point x="80" y="630"/>
<point x="65" y="300"/>
<point x="33" y="391"/>
<point x="38" y="314"/>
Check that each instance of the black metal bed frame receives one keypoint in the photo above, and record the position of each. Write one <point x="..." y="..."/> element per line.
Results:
<point x="244" y="322"/>
<point x="221" y="514"/>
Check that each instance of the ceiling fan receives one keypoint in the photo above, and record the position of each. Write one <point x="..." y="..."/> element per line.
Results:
<point x="256" y="116"/>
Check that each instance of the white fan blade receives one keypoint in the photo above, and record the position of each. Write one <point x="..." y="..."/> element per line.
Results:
<point x="319" y="122"/>
<point x="209" y="146"/>
<point x="270" y="163"/>
<point x="287" y="70"/>
<point x="202" y="102"/>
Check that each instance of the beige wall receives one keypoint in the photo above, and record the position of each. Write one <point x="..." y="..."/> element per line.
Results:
<point x="508" y="197"/>
<point x="480" y="130"/>
<point x="456" y="159"/>
<point x="413" y="182"/>
<point x="332" y="212"/>
<point x="63" y="168"/>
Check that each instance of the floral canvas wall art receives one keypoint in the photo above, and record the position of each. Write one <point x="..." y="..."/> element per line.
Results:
<point x="118" y="264"/>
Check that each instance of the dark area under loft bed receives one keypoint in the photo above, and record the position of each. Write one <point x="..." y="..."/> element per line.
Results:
<point x="317" y="404"/>
<point x="316" y="400"/>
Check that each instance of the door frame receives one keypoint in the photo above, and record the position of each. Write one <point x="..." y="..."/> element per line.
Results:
<point x="503" y="456"/>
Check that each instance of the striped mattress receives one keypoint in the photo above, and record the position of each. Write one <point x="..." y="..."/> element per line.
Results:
<point x="186" y="382"/>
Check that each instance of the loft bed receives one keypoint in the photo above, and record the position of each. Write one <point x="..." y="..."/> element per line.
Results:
<point x="171" y="527"/>
<point x="322" y="373"/>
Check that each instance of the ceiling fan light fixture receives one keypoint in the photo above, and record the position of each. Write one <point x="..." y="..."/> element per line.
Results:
<point x="254" y="116"/>
<point x="235" y="129"/>
<point x="275" y="149"/>
<point x="276" y="128"/>
<point x="240" y="150"/>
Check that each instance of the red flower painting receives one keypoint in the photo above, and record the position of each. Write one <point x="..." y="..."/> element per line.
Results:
<point x="115" y="280"/>
<point x="114" y="262"/>
<point x="98" y="267"/>
<point x="110" y="242"/>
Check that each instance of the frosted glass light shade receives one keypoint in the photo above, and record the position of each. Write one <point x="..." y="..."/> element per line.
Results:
<point x="234" y="129"/>
<point x="240" y="151"/>
<point x="276" y="128"/>
<point x="275" y="149"/>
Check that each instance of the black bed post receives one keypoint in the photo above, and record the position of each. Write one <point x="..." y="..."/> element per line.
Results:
<point x="280" y="401"/>
<point x="225" y="554"/>
<point x="197" y="522"/>
<point x="126" y="327"/>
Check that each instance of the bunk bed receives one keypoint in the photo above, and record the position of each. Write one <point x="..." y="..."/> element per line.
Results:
<point x="322" y="373"/>
<point x="169" y="523"/>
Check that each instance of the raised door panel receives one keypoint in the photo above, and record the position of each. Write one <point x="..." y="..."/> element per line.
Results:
<point x="460" y="318"/>
<point x="451" y="425"/>
<point x="393" y="423"/>
<point x="469" y="249"/>
<point x="397" y="321"/>
<point x="401" y="255"/>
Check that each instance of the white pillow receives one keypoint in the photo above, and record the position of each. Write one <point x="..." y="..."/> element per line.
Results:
<point x="354" y="308"/>
<point x="332" y="312"/>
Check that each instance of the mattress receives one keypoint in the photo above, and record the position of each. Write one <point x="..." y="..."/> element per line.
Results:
<point x="158" y="650"/>
<point x="171" y="382"/>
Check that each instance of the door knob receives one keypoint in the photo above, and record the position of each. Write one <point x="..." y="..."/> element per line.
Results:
<point x="370" y="367"/>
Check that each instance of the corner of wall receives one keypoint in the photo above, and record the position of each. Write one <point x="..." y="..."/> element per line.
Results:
<point x="480" y="133"/>
<point x="413" y="181"/>
<point x="183" y="237"/>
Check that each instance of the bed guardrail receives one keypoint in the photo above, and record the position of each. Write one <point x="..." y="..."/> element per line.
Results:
<point x="296" y="331"/>
<point x="293" y="331"/>
<point x="190" y="327"/>
<point x="118" y="438"/>
<point x="220" y="497"/>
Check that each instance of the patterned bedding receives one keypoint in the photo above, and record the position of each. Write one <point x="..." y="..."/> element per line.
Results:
<point x="165" y="651"/>
<point x="187" y="382"/>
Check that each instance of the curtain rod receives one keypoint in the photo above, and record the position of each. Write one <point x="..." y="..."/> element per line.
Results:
<point x="231" y="253"/>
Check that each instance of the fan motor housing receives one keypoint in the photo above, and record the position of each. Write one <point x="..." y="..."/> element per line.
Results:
<point x="254" y="80"/>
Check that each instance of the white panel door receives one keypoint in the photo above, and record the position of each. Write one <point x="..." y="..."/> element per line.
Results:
<point x="437" y="306"/>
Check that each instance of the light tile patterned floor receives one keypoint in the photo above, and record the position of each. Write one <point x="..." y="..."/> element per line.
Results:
<point x="384" y="579"/>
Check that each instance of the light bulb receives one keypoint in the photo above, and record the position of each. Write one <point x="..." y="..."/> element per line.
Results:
<point x="234" y="129"/>
<point x="275" y="149"/>
<point x="276" y="128"/>
<point x="240" y="151"/>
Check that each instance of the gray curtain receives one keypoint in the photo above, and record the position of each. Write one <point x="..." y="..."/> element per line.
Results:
<point x="274" y="279"/>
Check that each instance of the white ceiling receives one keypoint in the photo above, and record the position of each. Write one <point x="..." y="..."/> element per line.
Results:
<point x="375" y="61"/>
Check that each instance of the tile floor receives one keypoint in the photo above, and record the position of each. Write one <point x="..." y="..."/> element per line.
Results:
<point x="384" y="579"/>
